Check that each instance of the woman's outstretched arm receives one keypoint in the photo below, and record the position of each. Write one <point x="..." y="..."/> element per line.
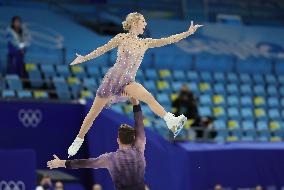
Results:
<point x="114" y="42"/>
<point x="151" y="43"/>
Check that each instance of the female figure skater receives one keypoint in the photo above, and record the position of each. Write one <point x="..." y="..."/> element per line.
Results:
<point x="120" y="79"/>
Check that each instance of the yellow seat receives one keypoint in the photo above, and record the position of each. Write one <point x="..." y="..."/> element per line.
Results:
<point x="259" y="112"/>
<point x="73" y="80"/>
<point x="30" y="67"/>
<point x="164" y="73"/>
<point x="76" y="69"/>
<point x="218" y="99"/>
<point x="274" y="125"/>
<point x="275" y="139"/>
<point x="86" y="94"/>
<point x="39" y="94"/>
<point x="204" y="86"/>
<point x="232" y="138"/>
<point x="232" y="124"/>
<point x="218" y="111"/>
<point x="163" y="85"/>
<point x="258" y="101"/>
<point x="174" y="96"/>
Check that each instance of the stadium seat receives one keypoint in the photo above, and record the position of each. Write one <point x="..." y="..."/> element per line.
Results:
<point x="260" y="114"/>
<point x="206" y="77"/>
<point x="151" y="74"/>
<point x="219" y="100"/>
<point x="232" y="78"/>
<point x="176" y="86"/>
<point x="247" y="113"/>
<point x="205" y="100"/>
<point x="193" y="76"/>
<point x="249" y="135"/>
<point x="150" y="86"/>
<point x="48" y="71"/>
<point x="179" y="75"/>
<point x="274" y="114"/>
<point x="165" y="74"/>
<point x="75" y="86"/>
<point x="245" y="78"/>
<point x="219" y="88"/>
<point x="248" y="125"/>
<point x="246" y="89"/>
<point x="204" y="111"/>
<point x="219" y="77"/>
<point x="259" y="90"/>
<point x="275" y="125"/>
<point x="259" y="101"/>
<point x="233" y="124"/>
<point x="219" y="113"/>
<point x="264" y="135"/>
<point x="14" y="82"/>
<point x="63" y="70"/>
<point x="193" y="87"/>
<point x="233" y="101"/>
<point x="219" y="125"/>
<point x="24" y="94"/>
<point x="273" y="102"/>
<point x="140" y="75"/>
<point x="8" y="94"/>
<point x="261" y="125"/>
<point x="164" y="86"/>
<point x="40" y="94"/>
<point x="258" y="79"/>
<point x="61" y="88"/>
<point x="272" y="90"/>
<point x="270" y="79"/>
<point x="205" y="87"/>
<point x="233" y="89"/>
<point x="104" y="70"/>
<point x="86" y="94"/>
<point x="246" y="101"/>
<point x="233" y="113"/>
<point x="34" y="75"/>
<point x="90" y="84"/>
<point x="78" y="71"/>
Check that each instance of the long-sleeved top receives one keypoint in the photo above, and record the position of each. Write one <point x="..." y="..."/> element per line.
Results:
<point x="126" y="166"/>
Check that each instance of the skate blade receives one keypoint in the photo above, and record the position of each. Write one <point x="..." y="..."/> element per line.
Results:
<point x="180" y="127"/>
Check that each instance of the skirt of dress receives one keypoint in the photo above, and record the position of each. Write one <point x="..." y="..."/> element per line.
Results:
<point x="113" y="85"/>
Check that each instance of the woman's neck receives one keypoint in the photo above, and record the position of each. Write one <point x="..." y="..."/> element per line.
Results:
<point x="133" y="33"/>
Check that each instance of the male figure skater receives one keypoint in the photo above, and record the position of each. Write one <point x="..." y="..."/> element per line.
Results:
<point x="127" y="165"/>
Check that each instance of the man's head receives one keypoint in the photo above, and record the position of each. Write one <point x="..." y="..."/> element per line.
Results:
<point x="126" y="135"/>
<point x="59" y="185"/>
<point x="45" y="182"/>
<point x="97" y="187"/>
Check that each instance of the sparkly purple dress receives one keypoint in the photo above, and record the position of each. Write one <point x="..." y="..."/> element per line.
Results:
<point x="131" y="50"/>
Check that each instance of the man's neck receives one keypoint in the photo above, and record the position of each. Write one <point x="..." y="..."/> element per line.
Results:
<point x="121" y="146"/>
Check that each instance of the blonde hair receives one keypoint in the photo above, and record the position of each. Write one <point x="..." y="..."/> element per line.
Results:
<point x="130" y="19"/>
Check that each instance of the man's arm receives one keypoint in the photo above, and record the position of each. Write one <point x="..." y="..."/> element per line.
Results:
<point x="95" y="163"/>
<point x="140" y="139"/>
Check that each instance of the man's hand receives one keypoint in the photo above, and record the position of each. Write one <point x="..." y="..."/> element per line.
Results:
<point x="56" y="163"/>
<point x="193" y="28"/>
<point x="134" y="101"/>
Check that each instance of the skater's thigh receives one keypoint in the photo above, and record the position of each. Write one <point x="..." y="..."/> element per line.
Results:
<point x="136" y="90"/>
<point x="99" y="102"/>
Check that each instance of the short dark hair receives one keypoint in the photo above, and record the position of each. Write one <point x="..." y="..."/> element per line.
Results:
<point x="126" y="134"/>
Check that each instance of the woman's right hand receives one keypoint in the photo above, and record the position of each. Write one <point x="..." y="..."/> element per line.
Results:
<point x="79" y="59"/>
<point x="193" y="27"/>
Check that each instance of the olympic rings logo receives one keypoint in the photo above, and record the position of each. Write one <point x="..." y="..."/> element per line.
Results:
<point x="30" y="118"/>
<point x="12" y="185"/>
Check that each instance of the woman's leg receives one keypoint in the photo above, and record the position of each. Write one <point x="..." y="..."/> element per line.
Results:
<point x="138" y="92"/>
<point x="96" y="108"/>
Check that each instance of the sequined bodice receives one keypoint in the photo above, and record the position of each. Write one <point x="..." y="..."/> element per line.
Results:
<point x="130" y="54"/>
